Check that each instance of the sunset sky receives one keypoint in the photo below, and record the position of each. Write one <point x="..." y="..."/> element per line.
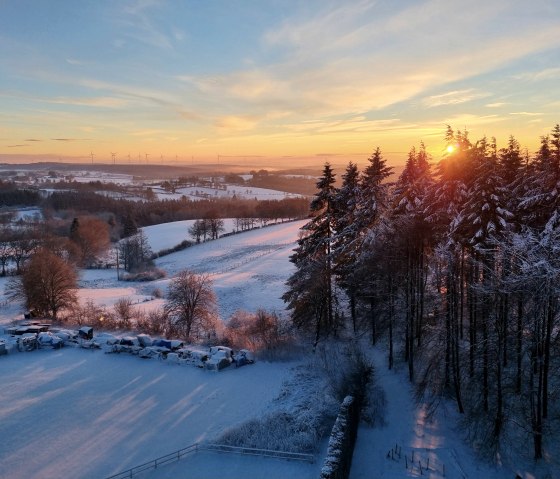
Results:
<point x="185" y="80"/>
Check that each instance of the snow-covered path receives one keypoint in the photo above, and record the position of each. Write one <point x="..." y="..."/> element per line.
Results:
<point x="435" y="445"/>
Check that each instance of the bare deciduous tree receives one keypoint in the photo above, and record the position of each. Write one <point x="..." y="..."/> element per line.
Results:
<point x="47" y="284"/>
<point x="124" y="312"/>
<point x="191" y="301"/>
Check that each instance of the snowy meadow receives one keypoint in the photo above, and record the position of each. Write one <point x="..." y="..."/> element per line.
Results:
<point x="85" y="414"/>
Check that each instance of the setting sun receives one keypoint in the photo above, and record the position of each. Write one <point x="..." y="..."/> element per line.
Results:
<point x="450" y="149"/>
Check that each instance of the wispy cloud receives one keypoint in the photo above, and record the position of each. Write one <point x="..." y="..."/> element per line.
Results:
<point x="98" y="102"/>
<point x="453" y="98"/>
<point x="317" y="78"/>
<point x="546" y="74"/>
<point x="71" y="139"/>
<point x="333" y="73"/>
<point x="75" y="62"/>
<point x="470" y="121"/>
<point x="137" y="21"/>
<point x="525" y="113"/>
<point x="235" y="123"/>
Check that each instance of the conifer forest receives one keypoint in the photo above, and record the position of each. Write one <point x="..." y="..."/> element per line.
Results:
<point x="454" y="269"/>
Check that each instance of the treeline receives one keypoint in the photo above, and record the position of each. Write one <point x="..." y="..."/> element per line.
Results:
<point x="457" y="269"/>
<point x="13" y="195"/>
<point x="147" y="213"/>
<point x="292" y="184"/>
<point x="84" y="224"/>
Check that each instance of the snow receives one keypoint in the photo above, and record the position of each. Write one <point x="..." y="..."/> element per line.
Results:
<point x="82" y="176"/>
<point x="408" y="429"/>
<point x="28" y="214"/>
<point x="168" y="235"/>
<point x="248" y="270"/>
<point x="242" y="192"/>
<point x="82" y="413"/>
<point x="85" y="414"/>
<point x="210" y="465"/>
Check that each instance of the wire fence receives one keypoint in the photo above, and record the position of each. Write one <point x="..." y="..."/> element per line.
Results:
<point x="218" y="448"/>
<point x="267" y="249"/>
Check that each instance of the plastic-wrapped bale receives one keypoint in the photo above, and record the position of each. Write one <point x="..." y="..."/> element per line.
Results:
<point x="47" y="339"/>
<point x="85" y="332"/>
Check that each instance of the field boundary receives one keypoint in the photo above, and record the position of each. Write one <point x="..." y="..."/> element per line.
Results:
<point x="217" y="448"/>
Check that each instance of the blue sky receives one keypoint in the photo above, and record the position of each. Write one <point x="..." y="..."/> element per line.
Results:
<point x="274" y="78"/>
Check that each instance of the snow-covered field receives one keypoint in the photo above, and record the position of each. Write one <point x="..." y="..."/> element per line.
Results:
<point x="82" y="413"/>
<point x="103" y="177"/>
<point x="231" y="191"/>
<point x="167" y="235"/>
<point x="248" y="269"/>
<point x="85" y="414"/>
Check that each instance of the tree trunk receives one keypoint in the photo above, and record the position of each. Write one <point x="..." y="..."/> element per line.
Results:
<point x="472" y="300"/>
<point x="485" y="359"/>
<point x="536" y="395"/>
<point x="546" y="354"/>
<point x="448" y="319"/>
<point x="391" y="313"/>
<point x="498" y="422"/>
<point x="504" y="332"/>
<point x="372" y="319"/>
<point x="462" y="294"/>
<point x="353" y="311"/>
<point x="519" y="349"/>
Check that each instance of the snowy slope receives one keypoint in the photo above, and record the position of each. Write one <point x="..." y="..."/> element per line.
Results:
<point x="248" y="270"/>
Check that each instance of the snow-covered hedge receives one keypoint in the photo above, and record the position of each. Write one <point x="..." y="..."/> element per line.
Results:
<point x="304" y="413"/>
<point x="342" y="440"/>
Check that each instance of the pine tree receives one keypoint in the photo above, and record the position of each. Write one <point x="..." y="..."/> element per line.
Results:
<point x="485" y="214"/>
<point x="310" y="294"/>
<point x="542" y="196"/>
<point x="130" y="227"/>
<point x="373" y="203"/>
<point x="346" y="234"/>
<point x="410" y="197"/>
<point x="374" y="188"/>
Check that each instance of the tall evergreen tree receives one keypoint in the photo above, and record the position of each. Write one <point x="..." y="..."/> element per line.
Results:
<point x="373" y="203"/>
<point x="310" y="294"/>
<point x="346" y="234"/>
<point x="410" y="194"/>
